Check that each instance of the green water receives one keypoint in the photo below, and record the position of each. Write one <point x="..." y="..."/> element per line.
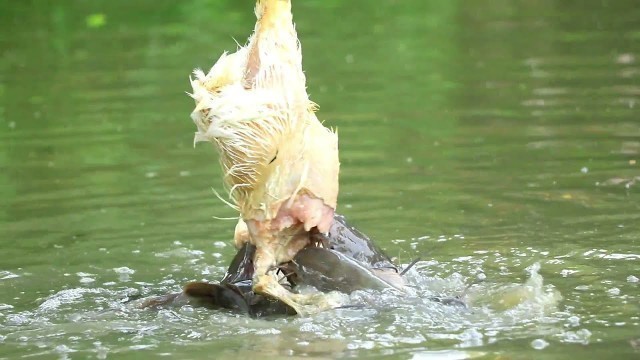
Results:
<point x="483" y="136"/>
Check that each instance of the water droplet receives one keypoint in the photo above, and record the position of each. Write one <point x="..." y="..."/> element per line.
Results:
<point x="349" y="59"/>
<point x="573" y="321"/>
<point x="625" y="59"/>
<point x="124" y="273"/>
<point x="539" y="344"/>
<point x="613" y="291"/>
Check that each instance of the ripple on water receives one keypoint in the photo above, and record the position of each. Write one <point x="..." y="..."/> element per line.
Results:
<point x="5" y="275"/>
<point x="385" y="320"/>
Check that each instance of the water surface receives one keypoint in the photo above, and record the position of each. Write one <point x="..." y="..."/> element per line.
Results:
<point x="488" y="138"/>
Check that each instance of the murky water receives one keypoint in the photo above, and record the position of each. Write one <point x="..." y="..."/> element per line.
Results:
<point x="492" y="139"/>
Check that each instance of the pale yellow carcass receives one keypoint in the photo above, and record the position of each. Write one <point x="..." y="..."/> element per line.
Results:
<point x="280" y="163"/>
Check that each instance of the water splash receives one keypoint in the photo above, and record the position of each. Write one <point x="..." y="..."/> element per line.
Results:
<point x="385" y="320"/>
<point x="532" y="296"/>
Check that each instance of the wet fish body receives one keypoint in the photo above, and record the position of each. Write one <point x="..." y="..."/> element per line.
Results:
<point x="329" y="270"/>
<point x="347" y="260"/>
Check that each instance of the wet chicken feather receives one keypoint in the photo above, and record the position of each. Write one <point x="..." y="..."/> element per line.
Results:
<point x="280" y="163"/>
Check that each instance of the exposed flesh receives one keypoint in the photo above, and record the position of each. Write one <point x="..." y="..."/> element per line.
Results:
<point x="280" y="163"/>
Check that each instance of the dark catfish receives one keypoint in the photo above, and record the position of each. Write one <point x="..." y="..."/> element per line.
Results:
<point x="234" y="292"/>
<point x="343" y="260"/>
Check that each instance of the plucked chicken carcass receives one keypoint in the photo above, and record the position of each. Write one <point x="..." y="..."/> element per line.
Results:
<point x="280" y="163"/>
